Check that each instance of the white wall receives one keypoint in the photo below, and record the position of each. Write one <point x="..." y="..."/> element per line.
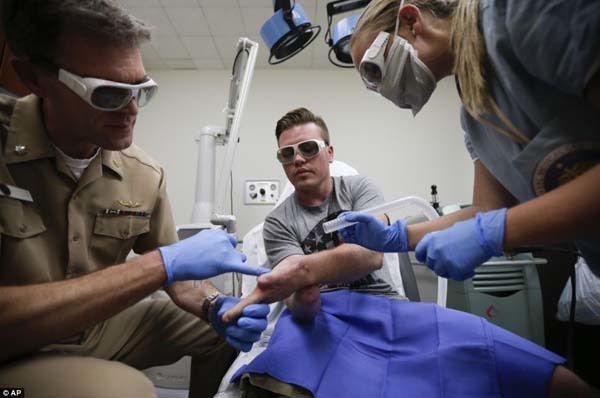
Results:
<point x="403" y="155"/>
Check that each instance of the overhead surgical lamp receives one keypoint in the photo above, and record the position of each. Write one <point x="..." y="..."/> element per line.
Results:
<point x="288" y="31"/>
<point x="338" y="38"/>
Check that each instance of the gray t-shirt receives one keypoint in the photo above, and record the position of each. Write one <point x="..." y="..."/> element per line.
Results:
<point x="293" y="229"/>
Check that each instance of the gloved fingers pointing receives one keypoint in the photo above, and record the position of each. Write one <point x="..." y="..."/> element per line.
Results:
<point x="246" y="269"/>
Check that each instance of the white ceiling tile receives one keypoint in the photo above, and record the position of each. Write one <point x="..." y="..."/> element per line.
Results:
<point x="307" y="3"/>
<point x="180" y="63"/>
<point x="139" y="3"/>
<point x="254" y="18"/>
<point x="188" y="21"/>
<point x="311" y="12"/>
<point x="156" y="18"/>
<point x="179" y="3"/>
<point x="319" y="49"/>
<point x="255" y="36"/>
<point x="257" y="3"/>
<point x="201" y="47"/>
<point x="170" y="47"/>
<point x="323" y="63"/>
<point x="209" y="63"/>
<point x="203" y="34"/>
<point x="226" y="47"/>
<point x="154" y="63"/>
<point x="262" y="58"/>
<point x="148" y="52"/>
<point x="219" y="3"/>
<point x="320" y="18"/>
<point x="224" y="21"/>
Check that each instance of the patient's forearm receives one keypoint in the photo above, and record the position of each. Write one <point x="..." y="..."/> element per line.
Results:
<point x="344" y="263"/>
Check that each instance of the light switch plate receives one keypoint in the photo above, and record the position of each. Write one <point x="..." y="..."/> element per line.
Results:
<point x="261" y="192"/>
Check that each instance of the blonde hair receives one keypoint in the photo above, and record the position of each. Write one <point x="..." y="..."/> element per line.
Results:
<point x="466" y="41"/>
<point x="469" y="52"/>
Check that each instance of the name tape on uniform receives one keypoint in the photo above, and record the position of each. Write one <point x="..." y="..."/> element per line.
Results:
<point x="13" y="192"/>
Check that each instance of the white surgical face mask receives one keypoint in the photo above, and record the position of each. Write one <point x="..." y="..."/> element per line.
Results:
<point x="401" y="78"/>
<point x="406" y="80"/>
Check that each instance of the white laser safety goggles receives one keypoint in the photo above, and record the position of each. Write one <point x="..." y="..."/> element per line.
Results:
<point x="308" y="149"/>
<point x="372" y="65"/>
<point x="106" y="95"/>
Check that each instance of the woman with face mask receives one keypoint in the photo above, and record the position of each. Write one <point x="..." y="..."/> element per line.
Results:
<point x="528" y="75"/>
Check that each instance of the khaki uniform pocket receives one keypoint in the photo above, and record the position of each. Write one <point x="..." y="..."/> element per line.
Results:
<point x="19" y="220"/>
<point x="114" y="236"/>
<point x="22" y="252"/>
<point x="121" y="227"/>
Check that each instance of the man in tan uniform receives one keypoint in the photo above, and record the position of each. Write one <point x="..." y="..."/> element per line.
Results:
<point x="76" y="196"/>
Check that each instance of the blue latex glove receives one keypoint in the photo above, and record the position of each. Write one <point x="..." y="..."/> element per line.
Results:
<point x="455" y="252"/>
<point x="246" y="330"/>
<point x="204" y="255"/>
<point x="372" y="233"/>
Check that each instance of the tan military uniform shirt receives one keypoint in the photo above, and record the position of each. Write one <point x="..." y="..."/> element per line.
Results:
<point x="70" y="227"/>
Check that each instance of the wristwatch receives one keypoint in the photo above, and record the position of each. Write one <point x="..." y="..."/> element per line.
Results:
<point x="207" y="306"/>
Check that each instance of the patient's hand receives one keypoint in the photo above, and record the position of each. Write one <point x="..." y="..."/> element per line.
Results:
<point x="305" y="303"/>
<point x="286" y="278"/>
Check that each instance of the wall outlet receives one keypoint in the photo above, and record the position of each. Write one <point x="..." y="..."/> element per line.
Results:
<point x="261" y="192"/>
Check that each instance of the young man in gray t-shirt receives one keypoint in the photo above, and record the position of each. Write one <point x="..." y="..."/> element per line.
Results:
<point x="294" y="237"/>
<point x="295" y="229"/>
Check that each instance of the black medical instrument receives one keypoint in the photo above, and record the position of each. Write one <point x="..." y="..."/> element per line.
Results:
<point x="338" y="38"/>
